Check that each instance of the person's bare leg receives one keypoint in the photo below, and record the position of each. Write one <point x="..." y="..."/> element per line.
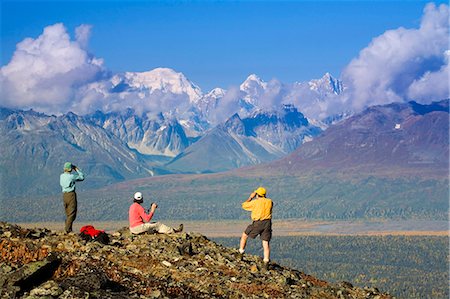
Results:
<point x="266" y="248"/>
<point x="243" y="242"/>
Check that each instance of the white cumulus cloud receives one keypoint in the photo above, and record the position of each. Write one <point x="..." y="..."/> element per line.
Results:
<point x="45" y="73"/>
<point x="432" y="85"/>
<point x="402" y="64"/>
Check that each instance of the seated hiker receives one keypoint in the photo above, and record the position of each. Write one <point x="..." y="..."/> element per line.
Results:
<point x="140" y="220"/>
<point x="261" y="208"/>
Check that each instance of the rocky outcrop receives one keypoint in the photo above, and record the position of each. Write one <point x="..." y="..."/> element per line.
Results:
<point x="44" y="264"/>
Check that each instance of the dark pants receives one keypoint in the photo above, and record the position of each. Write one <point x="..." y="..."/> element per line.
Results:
<point x="70" y="206"/>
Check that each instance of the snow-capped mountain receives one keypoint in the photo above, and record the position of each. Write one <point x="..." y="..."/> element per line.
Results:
<point x="318" y="99"/>
<point x="253" y="88"/>
<point x="216" y="93"/>
<point x="326" y="85"/>
<point x="162" y="80"/>
<point x="210" y="102"/>
<point x="312" y="97"/>
<point x="160" y="91"/>
<point x="171" y="93"/>
<point x="184" y="122"/>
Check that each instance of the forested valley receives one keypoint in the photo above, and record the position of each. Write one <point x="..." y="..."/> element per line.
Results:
<point x="404" y="266"/>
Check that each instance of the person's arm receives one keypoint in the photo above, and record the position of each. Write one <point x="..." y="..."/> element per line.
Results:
<point x="251" y="196"/>
<point x="147" y="217"/>
<point x="248" y="204"/>
<point x="80" y="175"/>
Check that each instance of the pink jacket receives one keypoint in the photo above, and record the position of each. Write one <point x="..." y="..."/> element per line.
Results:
<point x="137" y="215"/>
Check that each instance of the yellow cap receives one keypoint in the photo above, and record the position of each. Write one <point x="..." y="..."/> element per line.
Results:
<point x="261" y="191"/>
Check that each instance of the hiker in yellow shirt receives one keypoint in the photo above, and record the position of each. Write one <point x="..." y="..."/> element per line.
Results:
<point x="261" y="208"/>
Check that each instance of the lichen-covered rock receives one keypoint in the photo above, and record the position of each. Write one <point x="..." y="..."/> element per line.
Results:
<point x="185" y="265"/>
<point x="47" y="289"/>
<point x="15" y="283"/>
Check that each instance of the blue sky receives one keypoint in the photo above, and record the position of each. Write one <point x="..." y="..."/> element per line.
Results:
<point x="217" y="43"/>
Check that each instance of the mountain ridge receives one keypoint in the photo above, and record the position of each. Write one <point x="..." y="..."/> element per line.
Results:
<point x="261" y="137"/>
<point x="168" y="91"/>
<point x="409" y="135"/>
<point x="36" y="143"/>
<point x="399" y="172"/>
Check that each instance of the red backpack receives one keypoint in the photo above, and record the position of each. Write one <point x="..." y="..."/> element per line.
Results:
<point x="89" y="233"/>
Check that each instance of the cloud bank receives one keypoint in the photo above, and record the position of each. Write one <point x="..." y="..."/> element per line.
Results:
<point x="402" y="64"/>
<point x="45" y="73"/>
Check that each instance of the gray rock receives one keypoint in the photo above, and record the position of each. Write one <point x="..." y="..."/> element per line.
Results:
<point x="49" y="288"/>
<point x="30" y="275"/>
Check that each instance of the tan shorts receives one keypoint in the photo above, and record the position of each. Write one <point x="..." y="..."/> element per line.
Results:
<point x="263" y="228"/>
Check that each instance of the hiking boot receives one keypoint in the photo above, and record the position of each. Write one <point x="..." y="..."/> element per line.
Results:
<point x="266" y="266"/>
<point x="240" y="255"/>
<point x="179" y="229"/>
<point x="185" y="249"/>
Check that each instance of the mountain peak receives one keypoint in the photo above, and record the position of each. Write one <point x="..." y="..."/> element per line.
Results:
<point x="253" y="81"/>
<point x="235" y="124"/>
<point x="326" y="84"/>
<point x="71" y="116"/>
<point x="287" y="116"/>
<point x="252" y="88"/>
<point x="216" y="93"/>
<point x="159" y="79"/>
<point x="253" y="77"/>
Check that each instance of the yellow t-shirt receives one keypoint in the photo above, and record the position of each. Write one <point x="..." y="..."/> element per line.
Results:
<point x="260" y="207"/>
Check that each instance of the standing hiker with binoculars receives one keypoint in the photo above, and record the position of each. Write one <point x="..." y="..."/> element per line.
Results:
<point x="261" y="208"/>
<point x="67" y="181"/>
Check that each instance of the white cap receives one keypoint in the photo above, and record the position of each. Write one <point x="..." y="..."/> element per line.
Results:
<point x="138" y="195"/>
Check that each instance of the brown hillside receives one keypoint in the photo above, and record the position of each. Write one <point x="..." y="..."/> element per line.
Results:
<point x="394" y="139"/>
